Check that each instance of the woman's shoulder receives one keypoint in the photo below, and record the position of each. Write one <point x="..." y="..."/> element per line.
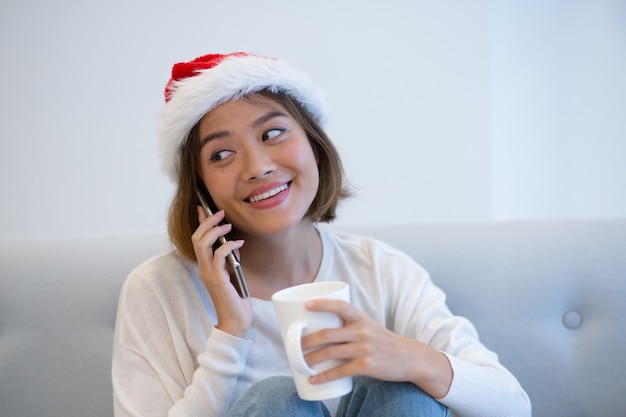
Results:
<point x="161" y="273"/>
<point x="381" y="277"/>
<point x="367" y="255"/>
<point x="361" y="244"/>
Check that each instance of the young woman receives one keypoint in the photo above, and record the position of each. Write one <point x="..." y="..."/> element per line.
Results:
<point x="248" y="131"/>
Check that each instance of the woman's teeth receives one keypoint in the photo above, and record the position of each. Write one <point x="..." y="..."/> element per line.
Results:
<point x="268" y="194"/>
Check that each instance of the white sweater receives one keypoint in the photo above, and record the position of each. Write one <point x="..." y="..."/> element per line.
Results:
<point x="169" y="360"/>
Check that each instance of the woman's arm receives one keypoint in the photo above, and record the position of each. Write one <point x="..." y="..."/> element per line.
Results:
<point x="372" y="350"/>
<point x="168" y="358"/>
<point x="399" y="328"/>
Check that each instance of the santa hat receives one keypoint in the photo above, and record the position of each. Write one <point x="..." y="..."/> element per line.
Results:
<point x="198" y="86"/>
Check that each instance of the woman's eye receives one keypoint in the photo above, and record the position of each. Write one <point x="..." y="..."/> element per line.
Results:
<point x="220" y="155"/>
<point x="272" y="133"/>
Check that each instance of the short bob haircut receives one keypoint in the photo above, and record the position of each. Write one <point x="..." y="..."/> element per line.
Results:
<point x="183" y="213"/>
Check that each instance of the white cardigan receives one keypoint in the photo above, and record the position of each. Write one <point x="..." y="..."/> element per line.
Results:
<point x="169" y="360"/>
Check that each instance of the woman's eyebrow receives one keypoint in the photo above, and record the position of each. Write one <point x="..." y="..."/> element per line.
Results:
<point x="256" y="124"/>
<point x="211" y="136"/>
<point x="267" y="117"/>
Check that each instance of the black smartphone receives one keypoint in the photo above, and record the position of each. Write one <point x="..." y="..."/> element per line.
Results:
<point x="236" y="273"/>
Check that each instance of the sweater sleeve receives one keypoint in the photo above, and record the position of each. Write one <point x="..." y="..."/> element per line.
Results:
<point x="154" y="372"/>
<point x="481" y="386"/>
<point x="213" y="384"/>
<point x="484" y="391"/>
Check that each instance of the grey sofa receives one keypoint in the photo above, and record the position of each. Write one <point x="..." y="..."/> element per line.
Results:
<point x="549" y="297"/>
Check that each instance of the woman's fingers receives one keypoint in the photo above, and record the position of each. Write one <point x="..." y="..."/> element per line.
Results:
<point x="331" y="338"/>
<point x="207" y="224"/>
<point x="212" y="265"/>
<point x="234" y="315"/>
<point x="365" y="346"/>
<point x="342" y="308"/>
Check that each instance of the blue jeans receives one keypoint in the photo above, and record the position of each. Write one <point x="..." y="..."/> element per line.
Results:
<point x="276" y="396"/>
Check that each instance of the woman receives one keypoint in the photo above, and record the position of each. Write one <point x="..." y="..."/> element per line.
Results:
<point x="247" y="131"/>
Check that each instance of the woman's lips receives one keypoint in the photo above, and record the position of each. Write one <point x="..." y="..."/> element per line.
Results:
<point x="267" y="194"/>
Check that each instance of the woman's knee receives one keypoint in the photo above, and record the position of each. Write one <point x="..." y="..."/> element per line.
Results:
<point x="281" y="385"/>
<point x="275" y="396"/>
<point x="373" y="397"/>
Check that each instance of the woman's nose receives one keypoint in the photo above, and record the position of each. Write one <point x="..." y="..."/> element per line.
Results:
<point x="258" y="163"/>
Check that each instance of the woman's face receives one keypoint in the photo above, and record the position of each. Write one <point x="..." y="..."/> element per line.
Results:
<point x="258" y="165"/>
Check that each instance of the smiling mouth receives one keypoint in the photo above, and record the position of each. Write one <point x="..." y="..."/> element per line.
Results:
<point x="268" y="194"/>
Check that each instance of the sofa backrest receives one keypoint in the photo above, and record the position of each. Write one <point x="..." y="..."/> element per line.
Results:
<point x="58" y="299"/>
<point x="546" y="296"/>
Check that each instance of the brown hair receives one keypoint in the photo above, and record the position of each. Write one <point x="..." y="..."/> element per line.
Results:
<point x="183" y="214"/>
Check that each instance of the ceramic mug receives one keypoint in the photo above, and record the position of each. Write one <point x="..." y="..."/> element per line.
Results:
<point x="295" y="321"/>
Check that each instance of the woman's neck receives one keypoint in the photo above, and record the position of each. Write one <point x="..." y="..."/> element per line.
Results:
<point x="271" y="263"/>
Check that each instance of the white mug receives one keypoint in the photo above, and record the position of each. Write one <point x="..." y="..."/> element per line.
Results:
<point x="295" y="321"/>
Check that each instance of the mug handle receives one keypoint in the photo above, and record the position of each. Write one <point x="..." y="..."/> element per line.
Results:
<point x="293" y="345"/>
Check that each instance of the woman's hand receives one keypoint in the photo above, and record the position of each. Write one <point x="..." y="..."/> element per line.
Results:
<point x="370" y="349"/>
<point x="234" y="315"/>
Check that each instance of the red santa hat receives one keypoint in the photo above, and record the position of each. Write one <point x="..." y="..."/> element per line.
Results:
<point x="198" y="86"/>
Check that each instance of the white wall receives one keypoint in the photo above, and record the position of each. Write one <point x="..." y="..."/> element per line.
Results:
<point x="423" y="106"/>
<point x="558" y="108"/>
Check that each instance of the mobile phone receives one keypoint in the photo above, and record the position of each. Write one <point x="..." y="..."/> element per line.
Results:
<point x="236" y="273"/>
